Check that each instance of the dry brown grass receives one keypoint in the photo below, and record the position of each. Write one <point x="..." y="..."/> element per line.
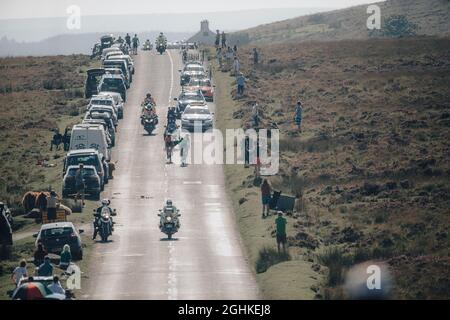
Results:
<point x="372" y="160"/>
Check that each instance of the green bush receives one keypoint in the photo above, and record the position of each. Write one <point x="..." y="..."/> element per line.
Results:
<point x="398" y="26"/>
<point x="336" y="261"/>
<point x="269" y="257"/>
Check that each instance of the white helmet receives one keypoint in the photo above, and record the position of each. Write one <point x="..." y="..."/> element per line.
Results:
<point x="105" y="202"/>
<point x="169" y="202"/>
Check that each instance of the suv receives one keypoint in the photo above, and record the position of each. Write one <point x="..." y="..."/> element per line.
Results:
<point x="188" y="97"/>
<point x="55" y="235"/>
<point x="118" y="63"/>
<point x="106" y="126"/>
<point x="91" y="179"/>
<point x="92" y="81"/>
<point x="191" y="70"/>
<point x="87" y="157"/>
<point x="117" y="99"/>
<point x="114" y="83"/>
<point x="104" y="100"/>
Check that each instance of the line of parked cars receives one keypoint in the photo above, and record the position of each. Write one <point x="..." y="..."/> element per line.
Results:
<point x="197" y="89"/>
<point x="91" y="140"/>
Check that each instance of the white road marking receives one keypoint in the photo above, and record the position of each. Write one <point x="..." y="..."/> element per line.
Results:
<point x="192" y="182"/>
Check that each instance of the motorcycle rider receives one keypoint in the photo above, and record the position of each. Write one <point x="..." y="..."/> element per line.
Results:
<point x="162" y="40"/>
<point x="169" y="210"/>
<point x="98" y="215"/>
<point x="171" y="115"/>
<point x="149" y="100"/>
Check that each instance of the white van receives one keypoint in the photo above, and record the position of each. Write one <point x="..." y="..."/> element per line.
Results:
<point x="90" y="136"/>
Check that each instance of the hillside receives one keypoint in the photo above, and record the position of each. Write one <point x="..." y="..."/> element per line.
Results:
<point x="370" y="166"/>
<point x="431" y="17"/>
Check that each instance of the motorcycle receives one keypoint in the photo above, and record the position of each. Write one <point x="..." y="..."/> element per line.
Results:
<point x="170" y="225"/>
<point x="104" y="223"/>
<point x="161" y="48"/>
<point x="149" y="123"/>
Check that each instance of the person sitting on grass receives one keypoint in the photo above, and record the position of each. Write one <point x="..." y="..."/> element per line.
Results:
<point x="66" y="257"/>
<point x="45" y="269"/>
<point x="281" y="231"/>
<point x="56" y="287"/>
<point x="39" y="255"/>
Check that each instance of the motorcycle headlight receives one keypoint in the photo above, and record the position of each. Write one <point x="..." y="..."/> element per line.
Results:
<point x="168" y="219"/>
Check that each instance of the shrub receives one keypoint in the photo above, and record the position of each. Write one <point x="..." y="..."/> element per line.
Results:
<point x="337" y="261"/>
<point x="398" y="26"/>
<point x="269" y="257"/>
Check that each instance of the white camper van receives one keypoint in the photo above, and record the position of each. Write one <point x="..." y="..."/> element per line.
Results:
<point x="90" y="136"/>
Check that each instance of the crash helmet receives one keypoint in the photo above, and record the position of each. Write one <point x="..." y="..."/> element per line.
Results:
<point x="105" y="202"/>
<point x="53" y="193"/>
<point x="149" y="95"/>
<point x="169" y="203"/>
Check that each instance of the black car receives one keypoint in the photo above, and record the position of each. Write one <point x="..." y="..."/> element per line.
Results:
<point x="187" y="98"/>
<point x="92" y="182"/>
<point x="92" y="81"/>
<point x="55" y="235"/>
<point x="114" y="83"/>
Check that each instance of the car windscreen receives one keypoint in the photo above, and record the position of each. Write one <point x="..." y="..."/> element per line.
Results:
<point x="101" y="102"/>
<point x="191" y="97"/>
<point x="194" y="68"/>
<point x="119" y="64"/>
<point x="56" y="232"/>
<point x="197" y="111"/>
<point x="113" y="82"/>
<point x="87" y="172"/>
<point x="88" y="160"/>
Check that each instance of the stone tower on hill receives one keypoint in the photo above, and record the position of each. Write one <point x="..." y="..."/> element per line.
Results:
<point x="204" y="36"/>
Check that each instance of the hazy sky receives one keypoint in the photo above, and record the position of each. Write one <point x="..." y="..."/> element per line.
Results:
<point x="57" y="8"/>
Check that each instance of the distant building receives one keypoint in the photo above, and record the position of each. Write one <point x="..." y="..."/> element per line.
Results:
<point x="204" y="36"/>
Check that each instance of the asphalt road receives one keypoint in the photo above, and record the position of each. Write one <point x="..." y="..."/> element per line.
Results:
<point x="205" y="260"/>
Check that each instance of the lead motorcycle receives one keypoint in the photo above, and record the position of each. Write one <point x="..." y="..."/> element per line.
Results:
<point x="103" y="222"/>
<point x="169" y="223"/>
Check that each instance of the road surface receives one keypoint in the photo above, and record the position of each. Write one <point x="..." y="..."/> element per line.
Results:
<point x="205" y="261"/>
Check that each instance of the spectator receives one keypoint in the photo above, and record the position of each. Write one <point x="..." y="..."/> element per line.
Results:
<point x="298" y="115"/>
<point x="255" y="56"/>
<point x="56" y="287"/>
<point x="52" y="204"/>
<point x="255" y="115"/>
<point x="224" y="40"/>
<point x="19" y="272"/>
<point x="39" y="255"/>
<point x="219" y="57"/>
<point x="45" y="269"/>
<point x="236" y="66"/>
<point x="66" y="257"/>
<point x="281" y="231"/>
<point x="266" y="192"/>
<point x="217" y="43"/>
<point x="79" y="183"/>
<point x="240" y="81"/>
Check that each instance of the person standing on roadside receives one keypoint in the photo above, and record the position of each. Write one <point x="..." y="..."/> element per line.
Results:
<point x="135" y="44"/>
<point x="52" y="205"/>
<point x="128" y="40"/>
<point x="224" y="40"/>
<point x="266" y="192"/>
<point x="39" y="255"/>
<point x="236" y="66"/>
<point x="217" y="43"/>
<point x="240" y="81"/>
<point x="298" y="115"/>
<point x="281" y="231"/>
<point x="255" y="115"/>
<point x="79" y="183"/>
<point x="255" y="56"/>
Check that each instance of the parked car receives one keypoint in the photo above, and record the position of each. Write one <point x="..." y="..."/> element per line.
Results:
<point x="113" y="83"/>
<point x="104" y="100"/>
<point x="86" y="136"/>
<point x="121" y="56"/>
<point x="122" y="64"/>
<point x="55" y="235"/>
<point x="92" y="81"/>
<point x="187" y="97"/>
<point x="118" y="71"/>
<point x="191" y="70"/>
<point x="196" y="115"/>
<point x="117" y="99"/>
<point x="91" y="178"/>
<point x="106" y="41"/>
<point x="109" y="130"/>
<point x="108" y="109"/>
<point x="204" y="85"/>
<point x="87" y="157"/>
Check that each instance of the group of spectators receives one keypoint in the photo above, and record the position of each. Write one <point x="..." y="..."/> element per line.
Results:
<point x="44" y="267"/>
